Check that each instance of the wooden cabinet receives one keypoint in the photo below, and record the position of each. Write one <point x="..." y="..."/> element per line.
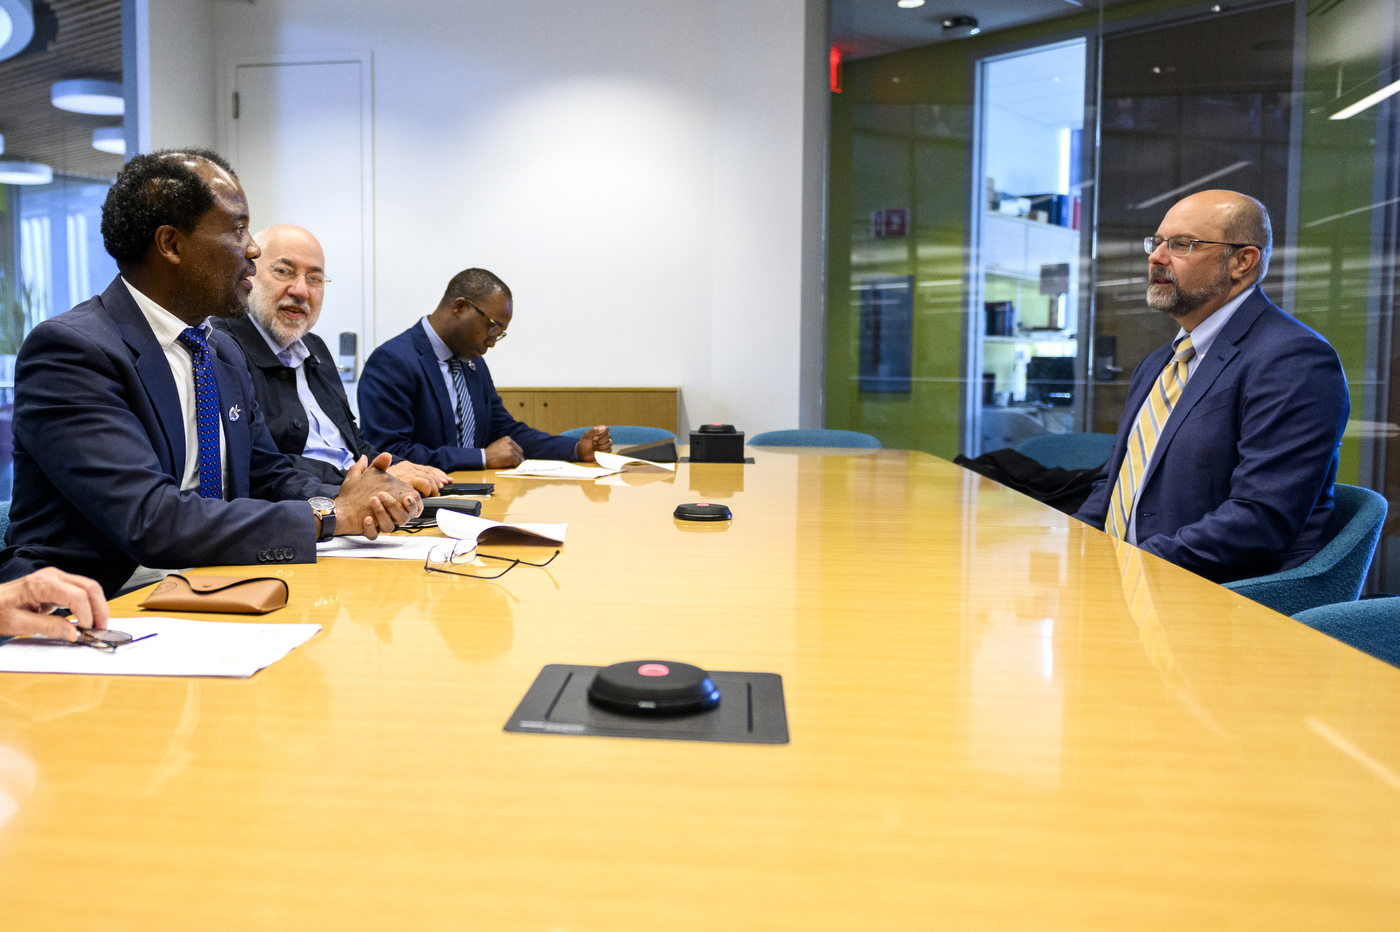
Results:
<point x="560" y="409"/>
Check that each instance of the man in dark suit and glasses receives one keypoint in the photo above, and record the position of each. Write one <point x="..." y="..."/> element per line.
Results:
<point x="138" y="442"/>
<point x="427" y="395"/>
<point x="1228" y="447"/>
<point x="294" y="375"/>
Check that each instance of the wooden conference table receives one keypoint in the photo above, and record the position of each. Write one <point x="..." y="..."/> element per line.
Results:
<point x="986" y="734"/>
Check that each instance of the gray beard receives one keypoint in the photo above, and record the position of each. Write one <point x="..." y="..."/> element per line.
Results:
<point x="1178" y="303"/>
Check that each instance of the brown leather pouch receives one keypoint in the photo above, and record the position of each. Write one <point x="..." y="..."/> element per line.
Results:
<point x="181" y="592"/>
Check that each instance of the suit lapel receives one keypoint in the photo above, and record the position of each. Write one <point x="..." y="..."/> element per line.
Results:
<point x="432" y="371"/>
<point x="1222" y="352"/>
<point x="234" y="413"/>
<point x="152" y="368"/>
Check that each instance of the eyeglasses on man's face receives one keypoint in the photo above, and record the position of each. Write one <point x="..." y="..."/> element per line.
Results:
<point x="1180" y="246"/>
<point x="286" y="275"/>
<point x="493" y="328"/>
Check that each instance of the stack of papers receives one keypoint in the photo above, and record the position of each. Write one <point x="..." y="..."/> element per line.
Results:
<point x="180" y="648"/>
<point x="608" y="464"/>
<point x="453" y="524"/>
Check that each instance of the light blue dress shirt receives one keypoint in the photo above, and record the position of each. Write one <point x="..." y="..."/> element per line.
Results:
<point x="324" y="441"/>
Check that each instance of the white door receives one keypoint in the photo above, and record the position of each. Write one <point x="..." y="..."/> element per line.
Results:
<point x="298" y="142"/>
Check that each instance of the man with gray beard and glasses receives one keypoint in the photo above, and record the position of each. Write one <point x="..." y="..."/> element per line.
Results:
<point x="1227" y="451"/>
<point x="294" y="377"/>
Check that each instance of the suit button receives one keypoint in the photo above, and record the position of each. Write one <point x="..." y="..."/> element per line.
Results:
<point x="296" y="423"/>
<point x="282" y="374"/>
<point x="262" y="555"/>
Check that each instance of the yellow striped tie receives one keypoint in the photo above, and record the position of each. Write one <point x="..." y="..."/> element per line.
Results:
<point x="1143" y="440"/>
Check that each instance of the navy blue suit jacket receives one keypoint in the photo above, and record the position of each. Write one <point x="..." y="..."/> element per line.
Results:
<point x="405" y="409"/>
<point x="100" y="449"/>
<point x="1246" y="463"/>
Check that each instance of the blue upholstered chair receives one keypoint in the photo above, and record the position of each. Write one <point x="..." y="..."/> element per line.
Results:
<point x="1068" y="451"/>
<point x="626" y="435"/>
<point x="1371" y="625"/>
<point x="1336" y="573"/>
<point x="815" y="438"/>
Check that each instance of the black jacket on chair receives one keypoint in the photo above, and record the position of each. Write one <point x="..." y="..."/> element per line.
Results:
<point x="276" y="388"/>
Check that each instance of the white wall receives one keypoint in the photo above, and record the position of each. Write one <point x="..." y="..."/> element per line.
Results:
<point x="634" y="169"/>
<point x="177" y="105"/>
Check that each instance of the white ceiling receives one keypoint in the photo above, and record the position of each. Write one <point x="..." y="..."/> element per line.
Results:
<point x="1046" y="85"/>
<point x="861" y="28"/>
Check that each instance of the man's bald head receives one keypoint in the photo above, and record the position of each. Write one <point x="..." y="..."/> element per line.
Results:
<point x="1232" y="217"/>
<point x="290" y="284"/>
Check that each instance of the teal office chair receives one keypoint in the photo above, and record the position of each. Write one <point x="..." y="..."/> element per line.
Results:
<point x="1336" y="573"/>
<point x="1371" y="625"/>
<point x="1067" y="451"/>
<point x="815" y="438"/>
<point x="626" y="435"/>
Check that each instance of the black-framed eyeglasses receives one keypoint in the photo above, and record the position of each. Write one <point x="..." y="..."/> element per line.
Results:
<point x="494" y="328"/>
<point x="453" y="559"/>
<point x="287" y="275"/>
<point x="1180" y="246"/>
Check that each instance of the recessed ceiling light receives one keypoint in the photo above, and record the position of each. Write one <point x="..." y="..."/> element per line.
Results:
<point x="25" y="173"/>
<point x="103" y="98"/>
<point x="969" y="23"/>
<point x="16" y="26"/>
<point x="910" y="4"/>
<point x="110" y="139"/>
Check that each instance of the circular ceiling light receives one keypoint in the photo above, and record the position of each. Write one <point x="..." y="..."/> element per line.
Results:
<point x="103" y="98"/>
<point x="25" y="173"/>
<point x="16" y="26"/>
<point x="110" y="139"/>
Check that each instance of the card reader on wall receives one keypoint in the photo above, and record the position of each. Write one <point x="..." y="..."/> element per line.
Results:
<point x="716" y="443"/>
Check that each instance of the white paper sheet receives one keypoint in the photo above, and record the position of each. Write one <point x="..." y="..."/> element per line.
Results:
<point x="180" y="648"/>
<point x="383" y="547"/>
<point x="469" y="528"/>
<point x="557" y="469"/>
<point x="620" y="463"/>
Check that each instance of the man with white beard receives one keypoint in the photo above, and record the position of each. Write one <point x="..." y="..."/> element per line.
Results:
<point x="294" y="375"/>
<point x="1227" y="451"/>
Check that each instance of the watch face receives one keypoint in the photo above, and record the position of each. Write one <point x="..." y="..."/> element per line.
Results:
<point x="322" y="506"/>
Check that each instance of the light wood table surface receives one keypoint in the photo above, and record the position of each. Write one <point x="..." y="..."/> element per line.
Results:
<point x="985" y="735"/>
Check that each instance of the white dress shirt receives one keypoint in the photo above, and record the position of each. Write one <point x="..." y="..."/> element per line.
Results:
<point x="444" y="356"/>
<point x="1201" y="339"/>
<point x="167" y="328"/>
<point x="324" y="441"/>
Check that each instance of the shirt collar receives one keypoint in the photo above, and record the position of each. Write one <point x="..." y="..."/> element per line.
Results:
<point x="165" y="325"/>
<point x="440" y="348"/>
<point x="296" y="347"/>
<point x="1207" y="330"/>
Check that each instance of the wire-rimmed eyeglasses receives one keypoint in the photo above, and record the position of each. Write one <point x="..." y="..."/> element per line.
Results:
<point x="286" y="275"/>
<point x="1180" y="246"/>
<point x="447" y="558"/>
<point x="106" y="640"/>
<point x="494" y="328"/>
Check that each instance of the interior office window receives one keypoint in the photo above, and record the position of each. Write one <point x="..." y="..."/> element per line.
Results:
<point x="51" y="258"/>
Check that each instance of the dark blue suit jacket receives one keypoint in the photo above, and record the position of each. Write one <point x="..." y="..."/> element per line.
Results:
<point x="100" y="449"/>
<point x="405" y="409"/>
<point x="1243" y="481"/>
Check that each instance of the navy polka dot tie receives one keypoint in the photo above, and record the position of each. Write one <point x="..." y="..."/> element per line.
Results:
<point x="206" y="414"/>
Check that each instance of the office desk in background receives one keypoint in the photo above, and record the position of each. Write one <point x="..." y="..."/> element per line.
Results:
<point x="984" y="736"/>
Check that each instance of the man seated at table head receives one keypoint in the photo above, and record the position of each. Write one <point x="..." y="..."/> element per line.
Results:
<point x="1227" y="451"/>
<point x="137" y="439"/>
<point x="427" y="395"/>
<point x="294" y="375"/>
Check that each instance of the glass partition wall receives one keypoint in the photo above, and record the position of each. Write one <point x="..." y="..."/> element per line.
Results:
<point x="1002" y="184"/>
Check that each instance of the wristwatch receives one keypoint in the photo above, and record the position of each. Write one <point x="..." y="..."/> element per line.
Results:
<point x="324" y="508"/>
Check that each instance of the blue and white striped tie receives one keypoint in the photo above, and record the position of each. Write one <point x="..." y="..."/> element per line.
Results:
<point x="466" y="418"/>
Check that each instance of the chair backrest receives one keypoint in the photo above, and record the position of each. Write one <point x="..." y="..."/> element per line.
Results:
<point x="813" y="437"/>
<point x="626" y="435"/>
<point x="1370" y="625"/>
<point x="1337" y="571"/>
<point x="1068" y="451"/>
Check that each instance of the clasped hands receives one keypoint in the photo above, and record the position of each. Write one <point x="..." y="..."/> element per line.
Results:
<point x="372" y="501"/>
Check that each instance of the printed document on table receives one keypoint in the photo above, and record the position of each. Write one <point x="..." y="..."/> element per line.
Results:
<point x="556" y="469"/>
<point x="622" y="463"/>
<point x="180" y="648"/>
<point x="470" y="528"/>
<point x="383" y="547"/>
